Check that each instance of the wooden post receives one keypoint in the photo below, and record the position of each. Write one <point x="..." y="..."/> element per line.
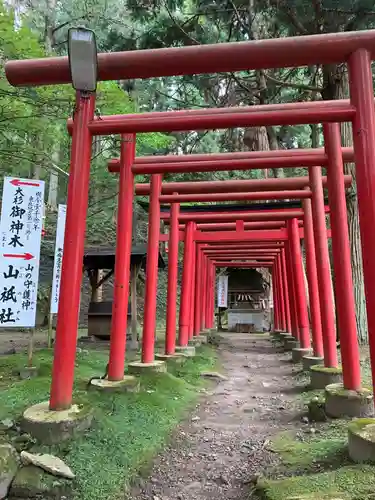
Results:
<point x="99" y="289"/>
<point x="30" y="348"/>
<point x="50" y="320"/>
<point x="94" y="278"/>
<point x="133" y="294"/>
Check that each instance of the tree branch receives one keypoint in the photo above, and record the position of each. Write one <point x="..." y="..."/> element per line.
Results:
<point x="60" y="26"/>
<point x="357" y="16"/>
<point x="291" y="15"/>
<point x="174" y="20"/>
<point x="298" y="86"/>
<point x="238" y="17"/>
<point x="241" y="85"/>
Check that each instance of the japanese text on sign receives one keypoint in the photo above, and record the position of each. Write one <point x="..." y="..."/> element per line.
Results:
<point x="59" y="248"/>
<point x="20" y="233"/>
<point x="222" y="291"/>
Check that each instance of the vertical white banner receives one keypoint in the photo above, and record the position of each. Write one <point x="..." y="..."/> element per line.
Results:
<point x="222" y="291"/>
<point x="59" y="250"/>
<point x="20" y="237"/>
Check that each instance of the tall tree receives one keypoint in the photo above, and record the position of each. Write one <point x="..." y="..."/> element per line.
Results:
<point x="304" y="18"/>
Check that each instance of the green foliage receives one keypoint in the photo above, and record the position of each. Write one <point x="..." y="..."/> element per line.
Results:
<point x="128" y="428"/>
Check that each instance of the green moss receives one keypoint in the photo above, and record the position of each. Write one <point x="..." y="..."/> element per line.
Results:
<point x="8" y="459"/>
<point x="318" y="463"/>
<point x="33" y="482"/>
<point x="339" y="390"/>
<point x="128" y="428"/>
<point x="347" y="483"/>
<point x="85" y="409"/>
<point x="326" y="369"/>
<point x="359" y="424"/>
<point x="316" y="410"/>
<point x="316" y="450"/>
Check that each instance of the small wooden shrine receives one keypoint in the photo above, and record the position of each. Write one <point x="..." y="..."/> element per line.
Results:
<point x="99" y="264"/>
<point x="248" y="300"/>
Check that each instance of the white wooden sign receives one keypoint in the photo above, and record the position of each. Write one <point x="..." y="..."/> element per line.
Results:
<point x="222" y="291"/>
<point x="20" y="237"/>
<point x="59" y="249"/>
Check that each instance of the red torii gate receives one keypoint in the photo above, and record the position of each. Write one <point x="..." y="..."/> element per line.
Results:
<point x="237" y="238"/>
<point x="241" y="186"/>
<point x="357" y="48"/>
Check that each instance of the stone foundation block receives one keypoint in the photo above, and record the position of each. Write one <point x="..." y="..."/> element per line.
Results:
<point x="52" y="427"/>
<point x="201" y="338"/>
<point x="195" y="342"/>
<point x="28" y="372"/>
<point x="177" y="358"/>
<point x="309" y="361"/>
<point x="298" y="353"/>
<point x="321" y="376"/>
<point x="275" y="334"/>
<point x="128" y="384"/>
<point x="361" y="440"/>
<point x="187" y="350"/>
<point x="341" y="402"/>
<point x="283" y="335"/>
<point x="139" y="368"/>
<point x="290" y="344"/>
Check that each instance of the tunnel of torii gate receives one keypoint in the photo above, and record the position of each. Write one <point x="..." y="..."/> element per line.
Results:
<point x="279" y="242"/>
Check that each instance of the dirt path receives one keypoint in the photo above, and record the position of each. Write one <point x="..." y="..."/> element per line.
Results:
<point x="223" y="447"/>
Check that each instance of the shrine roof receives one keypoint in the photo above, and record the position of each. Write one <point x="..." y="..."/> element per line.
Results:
<point x="229" y="207"/>
<point x="104" y="257"/>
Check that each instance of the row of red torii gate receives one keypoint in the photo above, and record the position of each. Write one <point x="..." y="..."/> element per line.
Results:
<point x="267" y="238"/>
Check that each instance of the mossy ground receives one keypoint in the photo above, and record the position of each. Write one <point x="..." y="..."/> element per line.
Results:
<point x="318" y="464"/>
<point x="360" y="423"/>
<point x="326" y="369"/>
<point x="338" y="390"/>
<point x="128" y="428"/>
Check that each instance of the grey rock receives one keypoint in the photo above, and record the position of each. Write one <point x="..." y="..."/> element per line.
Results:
<point x="9" y="463"/>
<point x="248" y="409"/>
<point x="12" y="350"/>
<point x="49" y="463"/>
<point x="23" y="442"/>
<point x="28" y="372"/>
<point x="223" y="479"/>
<point x="34" y="483"/>
<point x="6" y="424"/>
<point x="215" y="375"/>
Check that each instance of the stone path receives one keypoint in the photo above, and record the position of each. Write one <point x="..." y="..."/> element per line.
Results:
<point x="222" y="448"/>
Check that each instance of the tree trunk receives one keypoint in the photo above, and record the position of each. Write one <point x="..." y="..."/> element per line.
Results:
<point x="133" y="298"/>
<point x="256" y="138"/>
<point x="35" y="167"/>
<point x="274" y="145"/>
<point x="53" y="186"/>
<point x="336" y="86"/>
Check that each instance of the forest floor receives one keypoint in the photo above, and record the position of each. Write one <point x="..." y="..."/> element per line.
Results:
<point x="250" y="438"/>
